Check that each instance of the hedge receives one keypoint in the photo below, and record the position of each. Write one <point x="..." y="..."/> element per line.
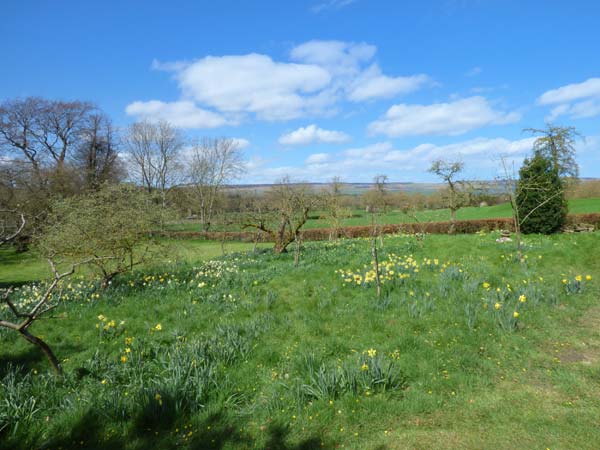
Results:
<point x="321" y="234"/>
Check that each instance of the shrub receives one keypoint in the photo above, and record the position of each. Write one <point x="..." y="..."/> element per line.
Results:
<point x="540" y="198"/>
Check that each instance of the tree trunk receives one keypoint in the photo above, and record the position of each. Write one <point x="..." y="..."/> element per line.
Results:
<point x="376" y="264"/>
<point x="452" y="220"/>
<point x="44" y="348"/>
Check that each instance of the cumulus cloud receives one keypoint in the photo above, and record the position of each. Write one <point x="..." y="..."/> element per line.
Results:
<point x="577" y="100"/>
<point x="354" y="74"/>
<point x="452" y="118"/>
<point x="372" y="84"/>
<point x="183" y="114"/>
<point x="360" y="164"/>
<point x="253" y="83"/>
<point x="318" y="158"/>
<point x="312" y="134"/>
<point x="318" y="76"/>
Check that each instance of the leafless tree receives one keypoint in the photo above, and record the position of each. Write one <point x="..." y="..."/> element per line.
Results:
<point x="41" y="135"/>
<point x="18" y="121"/>
<point x="26" y="314"/>
<point x="12" y="224"/>
<point x="456" y="194"/>
<point x="213" y="162"/>
<point x="97" y="154"/>
<point x="334" y="209"/>
<point x="282" y="213"/>
<point x="154" y="150"/>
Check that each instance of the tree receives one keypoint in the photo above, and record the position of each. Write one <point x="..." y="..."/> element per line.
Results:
<point x="376" y="198"/>
<point x="456" y="195"/>
<point x="25" y="312"/>
<point x="19" y="119"/>
<point x="112" y="226"/>
<point x="282" y="213"/>
<point x="335" y="211"/>
<point x="154" y="155"/>
<point x="12" y="224"/>
<point x="558" y="145"/>
<point x="213" y="163"/>
<point x="540" y="198"/>
<point x="97" y="154"/>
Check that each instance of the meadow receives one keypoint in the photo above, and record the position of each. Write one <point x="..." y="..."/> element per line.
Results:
<point x="360" y="217"/>
<point x="469" y="346"/>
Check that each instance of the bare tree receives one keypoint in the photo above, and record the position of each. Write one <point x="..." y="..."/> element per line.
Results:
<point x="97" y="155"/>
<point x="282" y="213"/>
<point x="18" y="122"/>
<point x="12" y="224"/>
<point x="334" y="209"/>
<point x="456" y="195"/>
<point x="213" y="163"/>
<point x="59" y="127"/>
<point x="154" y="150"/>
<point x="26" y="314"/>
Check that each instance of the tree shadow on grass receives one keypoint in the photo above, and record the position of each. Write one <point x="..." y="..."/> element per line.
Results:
<point x="214" y="432"/>
<point x="20" y="363"/>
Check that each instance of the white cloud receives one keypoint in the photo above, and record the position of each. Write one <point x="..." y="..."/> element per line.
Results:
<point x="474" y="72"/>
<point x="578" y="100"/>
<point x="331" y="4"/>
<point x="451" y="118"/>
<point x="241" y="143"/>
<point x="359" y="164"/>
<point x="354" y="74"/>
<point x="216" y="90"/>
<point x="318" y="158"/>
<point x="337" y="57"/>
<point x="372" y="84"/>
<point x="313" y="134"/>
<point x="183" y="114"/>
<point x="253" y="83"/>
<point x="570" y="92"/>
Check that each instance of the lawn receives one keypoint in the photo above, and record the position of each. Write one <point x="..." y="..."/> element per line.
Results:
<point x="360" y="217"/>
<point x="248" y="351"/>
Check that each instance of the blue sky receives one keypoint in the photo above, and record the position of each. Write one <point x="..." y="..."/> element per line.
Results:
<point x="321" y="88"/>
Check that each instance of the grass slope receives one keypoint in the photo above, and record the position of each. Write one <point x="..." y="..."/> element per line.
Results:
<point x="360" y="217"/>
<point x="250" y="352"/>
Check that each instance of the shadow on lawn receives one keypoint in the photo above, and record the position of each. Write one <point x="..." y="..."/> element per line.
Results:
<point x="214" y="433"/>
<point x="21" y="363"/>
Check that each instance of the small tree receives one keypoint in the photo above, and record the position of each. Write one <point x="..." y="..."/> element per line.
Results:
<point x="25" y="313"/>
<point x="558" y="145"/>
<point x="282" y="213"/>
<point x="456" y="195"/>
<point x="540" y="196"/>
<point x="112" y="226"/>
<point x="12" y="224"/>
<point x="154" y="155"/>
<point x="213" y="163"/>
<point x="335" y="212"/>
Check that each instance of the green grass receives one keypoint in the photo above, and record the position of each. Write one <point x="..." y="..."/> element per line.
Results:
<point x="254" y="353"/>
<point x="360" y="217"/>
<point x="21" y="268"/>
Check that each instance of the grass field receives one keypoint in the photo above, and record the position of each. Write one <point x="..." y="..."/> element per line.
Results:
<point x="250" y="352"/>
<point x="360" y="217"/>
